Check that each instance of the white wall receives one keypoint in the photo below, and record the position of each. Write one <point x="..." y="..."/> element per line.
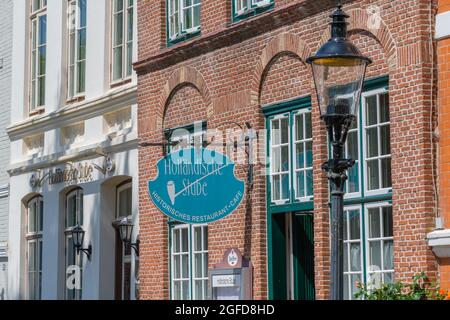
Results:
<point x="98" y="276"/>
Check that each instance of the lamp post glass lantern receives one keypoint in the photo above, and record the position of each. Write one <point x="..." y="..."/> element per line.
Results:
<point x="339" y="70"/>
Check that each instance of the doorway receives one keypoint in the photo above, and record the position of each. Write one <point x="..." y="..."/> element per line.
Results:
<point x="293" y="256"/>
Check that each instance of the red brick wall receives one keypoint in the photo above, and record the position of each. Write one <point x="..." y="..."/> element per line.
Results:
<point x="231" y="70"/>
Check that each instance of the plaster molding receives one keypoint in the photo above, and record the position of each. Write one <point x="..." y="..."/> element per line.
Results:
<point x="116" y="145"/>
<point x="439" y="241"/>
<point x="77" y="112"/>
<point x="442" y="25"/>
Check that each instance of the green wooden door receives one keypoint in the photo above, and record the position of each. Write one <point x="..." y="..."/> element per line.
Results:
<point x="303" y="256"/>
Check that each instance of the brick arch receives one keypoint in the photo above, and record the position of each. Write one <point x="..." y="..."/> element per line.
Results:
<point x="360" y="20"/>
<point x="185" y="75"/>
<point x="282" y="43"/>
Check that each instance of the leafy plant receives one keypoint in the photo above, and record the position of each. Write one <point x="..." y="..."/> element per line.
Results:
<point x="420" y="289"/>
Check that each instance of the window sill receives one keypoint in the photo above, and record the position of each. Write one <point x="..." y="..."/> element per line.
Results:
<point x="37" y="112"/>
<point x="254" y="11"/>
<point x="184" y="37"/>
<point x="76" y="99"/>
<point x="119" y="83"/>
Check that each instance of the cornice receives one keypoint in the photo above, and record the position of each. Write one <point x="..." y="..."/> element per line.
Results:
<point x="233" y="33"/>
<point x="118" y="144"/>
<point x="74" y="113"/>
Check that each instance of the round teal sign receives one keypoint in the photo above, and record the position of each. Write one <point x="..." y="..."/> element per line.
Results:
<point x="196" y="185"/>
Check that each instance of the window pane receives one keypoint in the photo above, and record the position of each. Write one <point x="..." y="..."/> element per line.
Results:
<point x="371" y="110"/>
<point x="384" y="107"/>
<point x="285" y="158"/>
<point x="353" y="179"/>
<point x="198" y="239"/>
<point x="276" y="134"/>
<point x="196" y="16"/>
<point x="374" y="223"/>
<point x="205" y="265"/>
<point x="184" y="240"/>
<point x="177" y="290"/>
<point x="388" y="255"/>
<point x="385" y="140"/>
<point x="117" y="67"/>
<point x="300" y="155"/>
<point x="285" y="186"/>
<point x="276" y="160"/>
<point x="386" y="173"/>
<point x="346" y="287"/>
<point x="352" y="145"/>
<point x="355" y="257"/>
<point x="42" y="30"/>
<point x="118" y="29"/>
<point x="81" y="77"/>
<point x="299" y="127"/>
<point x="284" y="130"/>
<point x="118" y="5"/>
<point x="387" y="222"/>
<point x="198" y="265"/>
<point x="354" y="226"/>
<point x="177" y="267"/>
<point x="389" y="277"/>
<point x="373" y="174"/>
<point x="372" y="142"/>
<point x="205" y="238"/>
<point x="309" y="182"/>
<point x="375" y="255"/>
<point x="356" y="278"/>
<point x="308" y="125"/>
<point x="276" y="187"/>
<point x="198" y="288"/>
<point x="300" y="184"/>
<point x="186" y="295"/>
<point x="309" y="154"/>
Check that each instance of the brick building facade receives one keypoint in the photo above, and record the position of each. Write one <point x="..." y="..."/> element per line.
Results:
<point x="248" y="65"/>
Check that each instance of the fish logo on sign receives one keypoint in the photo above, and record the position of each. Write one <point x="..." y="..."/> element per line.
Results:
<point x="190" y="186"/>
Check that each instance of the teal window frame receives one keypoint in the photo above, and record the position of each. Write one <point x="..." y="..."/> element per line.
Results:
<point x="276" y="213"/>
<point x="289" y="108"/>
<point x="364" y="200"/>
<point x="251" y="9"/>
<point x="190" y="130"/>
<point x="183" y="34"/>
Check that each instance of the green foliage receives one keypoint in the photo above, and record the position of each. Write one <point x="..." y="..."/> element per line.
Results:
<point x="420" y="289"/>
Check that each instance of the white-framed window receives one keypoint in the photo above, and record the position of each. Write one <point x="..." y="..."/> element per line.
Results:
<point x="35" y="223"/>
<point x="124" y="210"/>
<point x="303" y="146"/>
<point x="368" y="246"/>
<point x="77" y="28"/>
<point x="122" y="39"/>
<point x="380" y="244"/>
<point x="74" y="217"/>
<point x="353" y="250"/>
<point x="184" y="17"/>
<point x="189" y="262"/>
<point x="38" y="56"/>
<point x="245" y="7"/>
<point x="291" y="157"/>
<point x="376" y="142"/>
<point x="279" y="158"/>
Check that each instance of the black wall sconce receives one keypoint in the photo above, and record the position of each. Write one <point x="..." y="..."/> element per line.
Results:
<point x="78" y="238"/>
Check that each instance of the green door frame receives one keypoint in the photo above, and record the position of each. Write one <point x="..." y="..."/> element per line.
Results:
<point x="276" y="239"/>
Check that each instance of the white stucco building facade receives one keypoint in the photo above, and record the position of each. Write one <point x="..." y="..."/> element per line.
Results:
<point x="74" y="148"/>
<point x="5" y="98"/>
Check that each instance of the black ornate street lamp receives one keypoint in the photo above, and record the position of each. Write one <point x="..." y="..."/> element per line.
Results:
<point x="126" y="232"/>
<point x="78" y="239"/>
<point x="339" y="69"/>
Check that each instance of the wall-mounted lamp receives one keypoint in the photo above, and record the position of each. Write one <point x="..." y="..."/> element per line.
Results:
<point x="126" y="231"/>
<point x="78" y="239"/>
